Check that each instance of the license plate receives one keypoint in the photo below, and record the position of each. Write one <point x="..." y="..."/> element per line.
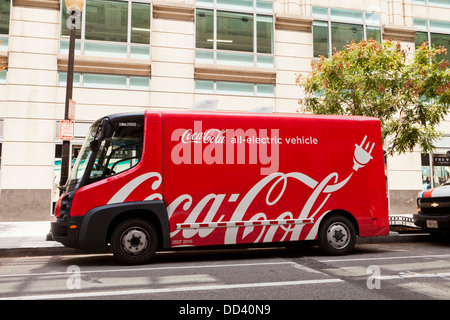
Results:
<point x="432" y="224"/>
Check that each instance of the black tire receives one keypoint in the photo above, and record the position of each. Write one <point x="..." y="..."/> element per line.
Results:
<point x="134" y="241"/>
<point x="337" y="235"/>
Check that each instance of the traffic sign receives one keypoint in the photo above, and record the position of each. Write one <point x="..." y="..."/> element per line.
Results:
<point x="72" y="109"/>
<point x="67" y="130"/>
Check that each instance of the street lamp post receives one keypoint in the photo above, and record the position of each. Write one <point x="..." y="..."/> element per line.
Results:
<point x="74" y="8"/>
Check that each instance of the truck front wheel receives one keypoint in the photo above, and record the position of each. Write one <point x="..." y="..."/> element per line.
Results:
<point x="337" y="235"/>
<point x="134" y="241"/>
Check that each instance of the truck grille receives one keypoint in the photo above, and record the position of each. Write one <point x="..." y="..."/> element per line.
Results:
<point x="437" y="205"/>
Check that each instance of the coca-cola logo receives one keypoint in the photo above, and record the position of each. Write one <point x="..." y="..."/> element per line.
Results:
<point x="209" y="136"/>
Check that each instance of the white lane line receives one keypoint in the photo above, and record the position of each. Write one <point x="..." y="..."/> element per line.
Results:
<point x="85" y="295"/>
<point x="387" y="258"/>
<point x="149" y="269"/>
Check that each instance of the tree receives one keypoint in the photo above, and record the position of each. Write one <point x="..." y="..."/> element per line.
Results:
<point x="410" y="94"/>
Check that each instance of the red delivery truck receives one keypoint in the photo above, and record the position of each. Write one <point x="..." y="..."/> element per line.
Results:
<point x="155" y="180"/>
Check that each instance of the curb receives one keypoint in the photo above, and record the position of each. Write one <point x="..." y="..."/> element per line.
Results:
<point x="38" y="251"/>
<point x="393" y="237"/>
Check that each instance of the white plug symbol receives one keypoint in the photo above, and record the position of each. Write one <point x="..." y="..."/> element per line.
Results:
<point x="362" y="155"/>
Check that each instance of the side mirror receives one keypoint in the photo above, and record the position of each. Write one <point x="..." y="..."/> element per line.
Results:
<point x="104" y="129"/>
<point x="94" y="145"/>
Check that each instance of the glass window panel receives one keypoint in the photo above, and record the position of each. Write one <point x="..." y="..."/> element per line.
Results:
<point x="420" y="24"/>
<point x="264" y="6"/>
<point x="373" y="33"/>
<point x="62" y="79"/>
<point x="439" y="3"/>
<point x="342" y="34"/>
<point x="265" y="61"/>
<point x="3" y="76"/>
<point x="105" y="49"/>
<point x="202" y="86"/>
<point x="437" y="40"/>
<point x="64" y="47"/>
<point x="265" y="90"/>
<point x="204" y="25"/>
<point x="346" y="15"/>
<point x="3" y="44"/>
<point x="237" y="88"/>
<point x="104" y="81"/>
<point x="106" y="20"/>
<point x="140" y="23"/>
<point x="5" y="7"/>
<point x="372" y="18"/>
<point x="420" y="38"/>
<point x="234" y="31"/>
<point x="65" y="23"/>
<point x="264" y="29"/>
<point x="208" y="3"/>
<point x="320" y="39"/>
<point x="439" y="26"/>
<point x="235" y="59"/>
<point x="235" y="4"/>
<point x="319" y="12"/>
<point x="204" y="57"/>
<point x="418" y="1"/>
<point x="139" y="83"/>
<point x="139" y="52"/>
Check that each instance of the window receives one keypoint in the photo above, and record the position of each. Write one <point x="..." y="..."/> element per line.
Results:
<point x="104" y="81"/>
<point x="333" y="29"/>
<point x="436" y="33"/>
<point x="234" y="88"/>
<point x="5" y="7"/>
<point x="111" y="28"/>
<point x="435" y="3"/>
<point x="3" y="77"/>
<point x="235" y="32"/>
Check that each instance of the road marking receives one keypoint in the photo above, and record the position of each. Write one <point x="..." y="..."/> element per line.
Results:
<point x="150" y="269"/>
<point x="387" y="258"/>
<point x="85" y="295"/>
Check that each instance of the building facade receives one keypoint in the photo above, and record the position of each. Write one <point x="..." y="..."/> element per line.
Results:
<point x="132" y="55"/>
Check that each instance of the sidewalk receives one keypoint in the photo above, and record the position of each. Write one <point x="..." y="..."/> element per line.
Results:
<point x="29" y="238"/>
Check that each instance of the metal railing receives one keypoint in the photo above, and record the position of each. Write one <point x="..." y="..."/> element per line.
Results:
<point x="401" y="221"/>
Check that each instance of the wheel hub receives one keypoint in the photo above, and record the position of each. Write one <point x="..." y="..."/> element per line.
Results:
<point x="135" y="241"/>
<point x="338" y="235"/>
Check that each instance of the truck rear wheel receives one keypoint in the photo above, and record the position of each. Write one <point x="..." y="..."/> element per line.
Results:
<point x="337" y="235"/>
<point x="134" y="241"/>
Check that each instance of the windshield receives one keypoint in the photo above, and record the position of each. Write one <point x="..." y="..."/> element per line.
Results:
<point x="83" y="159"/>
<point x="111" y="147"/>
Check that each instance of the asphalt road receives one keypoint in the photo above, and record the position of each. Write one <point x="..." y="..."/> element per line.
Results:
<point x="410" y="271"/>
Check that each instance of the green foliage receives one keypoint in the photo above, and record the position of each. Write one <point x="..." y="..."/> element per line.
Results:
<point x="409" y="93"/>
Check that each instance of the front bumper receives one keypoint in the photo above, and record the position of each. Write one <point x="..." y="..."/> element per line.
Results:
<point x="432" y="223"/>
<point x="65" y="232"/>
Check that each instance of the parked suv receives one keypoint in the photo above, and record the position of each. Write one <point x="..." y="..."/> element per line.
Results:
<point x="433" y="209"/>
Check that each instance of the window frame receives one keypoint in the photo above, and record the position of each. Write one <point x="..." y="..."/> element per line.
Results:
<point x="365" y="22"/>
<point x="426" y="26"/>
<point x="79" y="81"/>
<point x="82" y="42"/>
<point x="213" y="55"/>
